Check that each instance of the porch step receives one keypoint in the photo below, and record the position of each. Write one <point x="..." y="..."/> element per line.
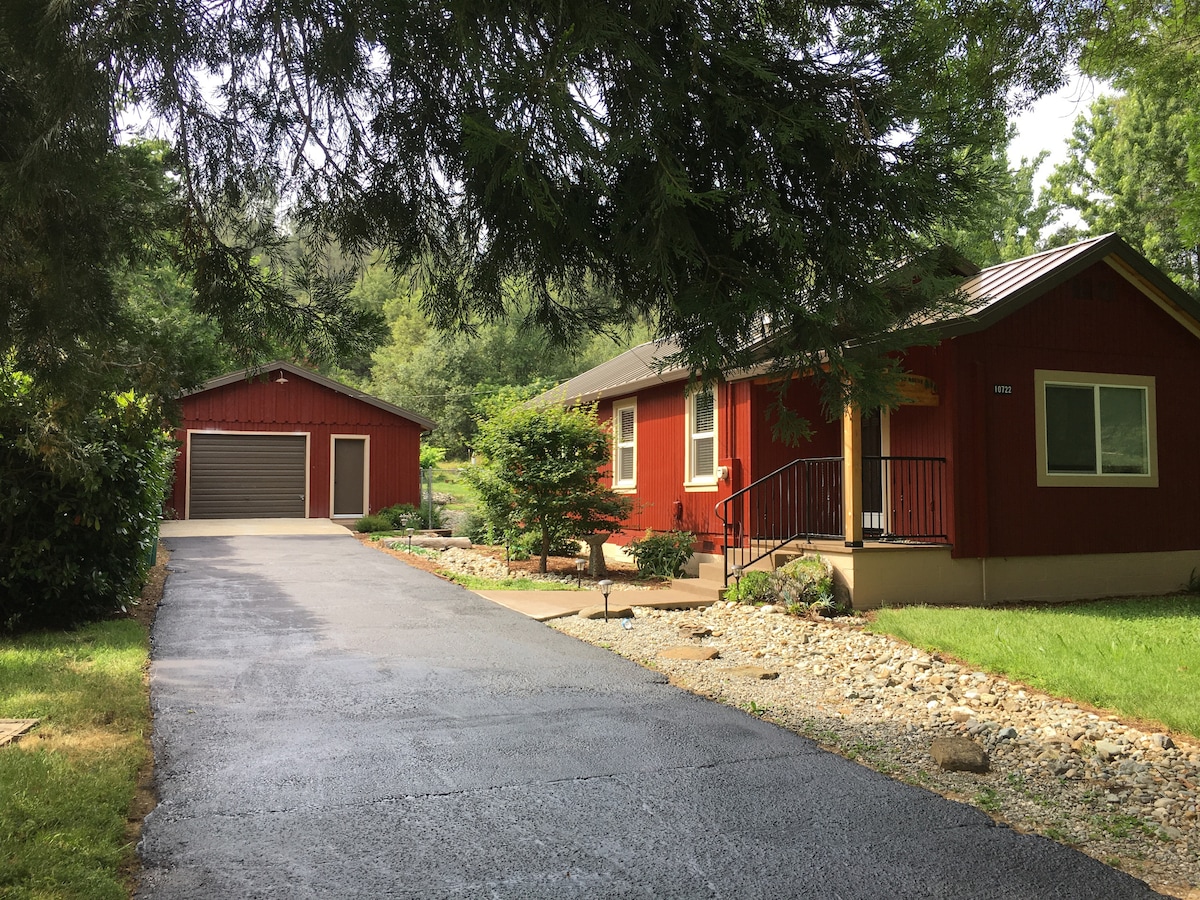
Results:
<point x="710" y="589"/>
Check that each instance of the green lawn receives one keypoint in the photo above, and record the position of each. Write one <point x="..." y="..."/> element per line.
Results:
<point x="447" y="479"/>
<point x="476" y="583"/>
<point x="1140" y="658"/>
<point x="66" y="787"/>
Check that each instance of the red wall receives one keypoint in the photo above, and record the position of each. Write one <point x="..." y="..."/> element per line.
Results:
<point x="745" y="446"/>
<point x="1098" y="322"/>
<point x="304" y="406"/>
<point x="804" y="399"/>
<point x="660" y="501"/>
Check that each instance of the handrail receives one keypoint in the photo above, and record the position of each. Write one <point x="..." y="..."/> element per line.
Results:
<point x="803" y="500"/>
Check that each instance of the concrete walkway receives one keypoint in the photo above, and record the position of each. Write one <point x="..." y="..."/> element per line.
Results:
<point x="173" y="528"/>
<point x="330" y="722"/>
<point x="546" y="605"/>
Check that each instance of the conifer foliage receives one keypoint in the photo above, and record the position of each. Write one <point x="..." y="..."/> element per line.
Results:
<point x="718" y="167"/>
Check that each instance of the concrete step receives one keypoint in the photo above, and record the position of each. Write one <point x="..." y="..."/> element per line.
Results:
<point x="714" y="571"/>
<point x="707" y="588"/>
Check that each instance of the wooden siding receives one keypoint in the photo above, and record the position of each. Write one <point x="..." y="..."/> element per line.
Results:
<point x="301" y="406"/>
<point x="804" y="399"/>
<point x="660" y="500"/>
<point x="1098" y="322"/>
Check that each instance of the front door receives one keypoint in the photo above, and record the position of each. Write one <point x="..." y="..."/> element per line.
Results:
<point x="349" y="476"/>
<point x="872" y="450"/>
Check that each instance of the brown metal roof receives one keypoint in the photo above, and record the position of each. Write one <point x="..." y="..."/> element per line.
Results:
<point x="990" y="295"/>
<point x="291" y="369"/>
<point x="623" y="374"/>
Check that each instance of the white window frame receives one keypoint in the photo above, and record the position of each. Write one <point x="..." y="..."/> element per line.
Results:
<point x="623" y="485"/>
<point x="692" y="480"/>
<point x="1095" y="380"/>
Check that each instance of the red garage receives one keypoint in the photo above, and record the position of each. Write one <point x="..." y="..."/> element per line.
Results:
<point x="283" y="442"/>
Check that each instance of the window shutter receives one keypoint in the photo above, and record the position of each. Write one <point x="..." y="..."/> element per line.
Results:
<point x="626" y="446"/>
<point x="703" y="436"/>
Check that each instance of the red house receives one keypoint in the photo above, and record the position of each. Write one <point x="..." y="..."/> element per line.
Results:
<point x="286" y="442"/>
<point x="1047" y="448"/>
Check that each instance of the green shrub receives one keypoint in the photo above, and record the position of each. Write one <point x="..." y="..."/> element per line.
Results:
<point x="401" y="516"/>
<point x="805" y="585"/>
<point x="754" y="587"/>
<point x="80" y="500"/>
<point x="374" y="522"/>
<point x="480" y="530"/>
<point x="405" y="515"/>
<point x="662" y="553"/>
<point x="436" y="520"/>
<point x="431" y="456"/>
<point x="529" y="544"/>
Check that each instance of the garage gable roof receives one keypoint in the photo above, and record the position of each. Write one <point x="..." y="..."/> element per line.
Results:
<point x="280" y="365"/>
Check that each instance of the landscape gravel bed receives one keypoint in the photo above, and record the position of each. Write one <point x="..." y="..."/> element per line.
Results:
<point x="1124" y="794"/>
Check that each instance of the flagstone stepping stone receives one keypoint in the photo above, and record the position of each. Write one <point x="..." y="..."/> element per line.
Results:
<point x="753" y="672"/>
<point x="615" y="611"/>
<point x="703" y="654"/>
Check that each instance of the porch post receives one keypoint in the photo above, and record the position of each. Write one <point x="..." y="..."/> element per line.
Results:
<point x="852" y="476"/>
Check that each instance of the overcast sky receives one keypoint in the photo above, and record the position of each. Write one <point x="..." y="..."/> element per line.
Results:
<point x="1047" y="124"/>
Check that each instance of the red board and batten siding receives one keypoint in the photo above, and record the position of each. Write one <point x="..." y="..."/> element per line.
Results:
<point x="660" y="501"/>
<point x="1097" y="322"/>
<point x="301" y="406"/>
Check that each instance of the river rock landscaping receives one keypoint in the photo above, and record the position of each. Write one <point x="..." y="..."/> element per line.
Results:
<point x="1125" y="793"/>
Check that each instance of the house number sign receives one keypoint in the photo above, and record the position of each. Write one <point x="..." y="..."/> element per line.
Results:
<point x="1002" y="388"/>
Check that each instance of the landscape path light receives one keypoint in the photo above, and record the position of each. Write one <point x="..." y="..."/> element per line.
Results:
<point x="580" y="565"/>
<point x="605" y="586"/>
<point x="410" y="534"/>
<point x="737" y="580"/>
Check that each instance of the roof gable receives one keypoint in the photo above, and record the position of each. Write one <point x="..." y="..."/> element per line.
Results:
<point x="991" y="294"/>
<point x="1001" y="290"/>
<point x="291" y="369"/>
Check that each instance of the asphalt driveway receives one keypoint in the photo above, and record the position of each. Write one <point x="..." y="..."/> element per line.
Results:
<point x="330" y="723"/>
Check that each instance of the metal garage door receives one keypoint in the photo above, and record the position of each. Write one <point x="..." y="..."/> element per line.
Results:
<point x="246" y="476"/>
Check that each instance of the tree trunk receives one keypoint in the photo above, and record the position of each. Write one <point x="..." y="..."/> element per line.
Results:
<point x="597" y="567"/>
<point x="545" y="552"/>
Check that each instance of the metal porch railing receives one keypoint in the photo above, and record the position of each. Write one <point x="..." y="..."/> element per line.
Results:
<point x="903" y="499"/>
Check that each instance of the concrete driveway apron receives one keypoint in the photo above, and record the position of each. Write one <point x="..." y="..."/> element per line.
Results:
<point x="332" y="723"/>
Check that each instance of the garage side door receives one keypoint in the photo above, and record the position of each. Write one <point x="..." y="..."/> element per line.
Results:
<point x="247" y="476"/>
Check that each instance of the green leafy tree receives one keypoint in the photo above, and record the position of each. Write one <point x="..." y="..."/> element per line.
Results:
<point x="80" y="504"/>
<point x="450" y="378"/>
<point x="1151" y="51"/>
<point x="1128" y="171"/>
<point x="540" y="473"/>
<point x="1012" y="218"/>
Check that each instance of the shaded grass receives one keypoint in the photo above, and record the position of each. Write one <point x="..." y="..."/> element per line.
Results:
<point x="477" y="583"/>
<point x="1140" y="657"/>
<point x="66" y="787"/>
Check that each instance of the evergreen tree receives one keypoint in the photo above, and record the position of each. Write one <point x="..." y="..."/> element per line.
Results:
<point x="714" y="166"/>
<point x="1128" y="171"/>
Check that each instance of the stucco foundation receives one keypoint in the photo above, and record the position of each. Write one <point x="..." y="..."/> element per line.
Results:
<point x="896" y="575"/>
